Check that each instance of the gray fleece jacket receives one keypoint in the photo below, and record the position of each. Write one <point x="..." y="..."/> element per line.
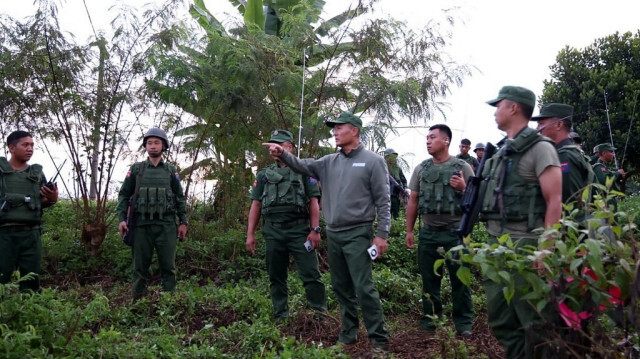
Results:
<point x="354" y="188"/>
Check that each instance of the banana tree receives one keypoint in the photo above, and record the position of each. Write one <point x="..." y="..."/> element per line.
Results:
<point x="242" y="83"/>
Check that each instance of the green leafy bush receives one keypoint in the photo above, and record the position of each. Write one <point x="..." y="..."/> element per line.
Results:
<point x="577" y="271"/>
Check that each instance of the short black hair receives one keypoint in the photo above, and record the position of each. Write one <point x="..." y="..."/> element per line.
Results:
<point x="15" y="136"/>
<point x="527" y="110"/>
<point x="465" y="141"/>
<point x="442" y="128"/>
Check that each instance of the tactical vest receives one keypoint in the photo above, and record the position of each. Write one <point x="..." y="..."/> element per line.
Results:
<point x="436" y="194"/>
<point x="468" y="159"/>
<point x="508" y="197"/>
<point x="20" y="194"/>
<point x="283" y="195"/>
<point x="155" y="197"/>
<point x="568" y="148"/>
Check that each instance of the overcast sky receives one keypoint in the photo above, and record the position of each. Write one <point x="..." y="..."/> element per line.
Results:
<point x="509" y="42"/>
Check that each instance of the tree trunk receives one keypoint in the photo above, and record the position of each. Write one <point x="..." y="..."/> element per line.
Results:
<point x="97" y="121"/>
<point x="92" y="236"/>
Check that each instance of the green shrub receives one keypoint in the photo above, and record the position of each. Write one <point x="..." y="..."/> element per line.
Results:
<point x="572" y="269"/>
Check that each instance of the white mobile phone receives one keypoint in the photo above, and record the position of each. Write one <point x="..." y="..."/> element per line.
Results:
<point x="373" y="252"/>
<point x="308" y="246"/>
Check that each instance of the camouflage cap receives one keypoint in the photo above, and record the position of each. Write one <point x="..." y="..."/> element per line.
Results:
<point x="280" y="136"/>
<point x="605" y="147"/>
<point x="346" y="117"/>
<point x="515" y="93"/>
<point x="558" y="110"/>
<point x="479" y="146"/>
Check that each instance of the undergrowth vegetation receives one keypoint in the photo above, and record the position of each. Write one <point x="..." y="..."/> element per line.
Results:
<point x="221" y="308"/>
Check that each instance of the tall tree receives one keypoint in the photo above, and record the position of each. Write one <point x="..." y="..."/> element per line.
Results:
<point x="241" y="83"/>
<point x="84" y="97"/>
<point x="602" y="82"/>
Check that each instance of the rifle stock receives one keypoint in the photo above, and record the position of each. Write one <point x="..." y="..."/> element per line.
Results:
<point x="473" y="197"/>
<point x="393" y="184"/>
<point x="127" y="237"/>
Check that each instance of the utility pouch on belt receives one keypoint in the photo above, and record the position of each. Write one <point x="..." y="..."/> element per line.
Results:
<point x="142" y="200"/>
<point x="161" y="206"/>
<point x="153" y="201"/>
<point x="439" y="191"/>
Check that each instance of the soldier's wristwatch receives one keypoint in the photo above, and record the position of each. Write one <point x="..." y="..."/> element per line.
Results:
<point x="316" y="229"/>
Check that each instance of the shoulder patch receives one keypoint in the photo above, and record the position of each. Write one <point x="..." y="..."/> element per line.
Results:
<point x="603" y="169"/>
<point x="177" y="176"/>
<point x="313" y="180"/>
<point x="255" y="183"/>
<point x="128" y="173"/>
<point x="565" y="167"/>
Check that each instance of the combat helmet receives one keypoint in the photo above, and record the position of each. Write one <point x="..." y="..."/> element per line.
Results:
<point x="390" y="151"/>
<point x="156" y="132"/>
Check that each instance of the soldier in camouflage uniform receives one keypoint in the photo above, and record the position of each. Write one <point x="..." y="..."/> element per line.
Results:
<point x="397" y="189"/>
<point x="23" y="195"/>
<point x="479" y="151"/>
<point x="554" y="121"/>
<point x="355" y="185"/>
<point x="436" y="188"/>
<point x="465" y="146"/>
<point x="160" y="200"/>
<point x="288" y="203"/>
<point x="605" y="166"/>
<point x="522" y="193"/>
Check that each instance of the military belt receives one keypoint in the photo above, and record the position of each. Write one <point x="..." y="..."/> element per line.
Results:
<point x="17" y="228"/>
<point x="285" y="225"/>
<point x="444" y="227"/>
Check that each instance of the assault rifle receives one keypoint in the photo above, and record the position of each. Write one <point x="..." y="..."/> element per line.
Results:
<point x="127" y="237"/>
<point x="473" y="197"/>
<point x="52" y="182"/>
<point x="393" y="185"/>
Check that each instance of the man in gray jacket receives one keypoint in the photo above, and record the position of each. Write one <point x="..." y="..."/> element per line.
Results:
<point x="355" y="188"/>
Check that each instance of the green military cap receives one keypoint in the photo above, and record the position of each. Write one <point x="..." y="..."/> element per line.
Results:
<point x="390" y="151"/>
<point x="280" y="136"/>
<point x="479" y="146"/>
<point x="345" y="117"/>
<point x="515" y="93"/>
<point x="605" y="147"/>
<point x="558" y="110"/>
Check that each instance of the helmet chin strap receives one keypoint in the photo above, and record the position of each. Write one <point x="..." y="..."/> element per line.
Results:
<point x="552" y="123"/>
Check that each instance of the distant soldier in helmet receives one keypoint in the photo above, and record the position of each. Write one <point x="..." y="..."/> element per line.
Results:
<point x="159" y="200"/>
<point x="23" y="194"/>
<point x="397" y="181"/>
<point x="288" y="202"/>
<point x="479" y="151"/>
